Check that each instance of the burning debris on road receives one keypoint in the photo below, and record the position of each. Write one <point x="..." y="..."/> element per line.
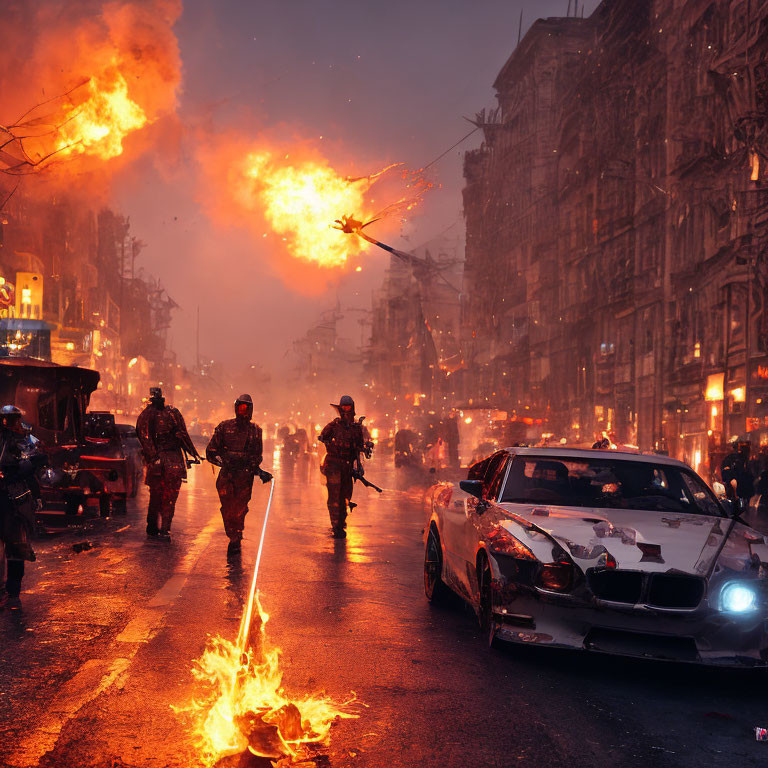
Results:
<point x="245" y="708"/>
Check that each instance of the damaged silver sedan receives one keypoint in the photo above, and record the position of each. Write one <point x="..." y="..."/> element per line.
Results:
<point x="607" y="551"/>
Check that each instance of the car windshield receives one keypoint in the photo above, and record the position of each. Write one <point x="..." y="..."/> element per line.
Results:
<point x="607" y="482"/>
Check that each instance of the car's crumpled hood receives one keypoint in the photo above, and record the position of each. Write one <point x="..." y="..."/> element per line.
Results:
<point x="635" y="539"/>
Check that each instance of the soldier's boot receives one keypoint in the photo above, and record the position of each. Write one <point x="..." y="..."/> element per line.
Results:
<point x="337" y="520"/>
<point x="165" y="526"/>
<point x="13" y="575"/>
<point x="154" y="507"/>
<point x="152" y="517"/>
<point x="168" y="507"/>
<point x="235" y="545"/>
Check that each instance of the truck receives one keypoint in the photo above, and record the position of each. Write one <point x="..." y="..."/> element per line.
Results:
<point x="82" y="477"/>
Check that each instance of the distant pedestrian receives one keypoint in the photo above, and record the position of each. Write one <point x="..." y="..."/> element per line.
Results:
<point x="437" y="455"/>
<point x="736" y="475"/>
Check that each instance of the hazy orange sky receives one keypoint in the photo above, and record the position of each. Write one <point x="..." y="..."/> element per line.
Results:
<point x="381" y="82"/>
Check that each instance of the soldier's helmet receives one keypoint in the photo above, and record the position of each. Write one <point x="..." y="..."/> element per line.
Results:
<point x="155" y="393"/>
<point x="244" y="406"/>
<point x="10" y="417"/>
<point x="346" y="405"/>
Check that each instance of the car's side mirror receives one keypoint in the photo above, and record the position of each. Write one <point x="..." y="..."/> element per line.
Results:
<point x="731" y="508"/>
<point x="472" y="487"/>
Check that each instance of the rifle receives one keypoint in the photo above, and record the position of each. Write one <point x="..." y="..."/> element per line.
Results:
<point x="191" y="458"/>
<point x="358" y="475"/>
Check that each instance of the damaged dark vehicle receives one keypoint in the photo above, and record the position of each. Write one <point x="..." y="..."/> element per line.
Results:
<point x="82" y="475"/>
<point x="606" y="551"/>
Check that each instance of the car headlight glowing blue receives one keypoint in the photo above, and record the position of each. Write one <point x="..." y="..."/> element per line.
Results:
<point x="738" y="598"/>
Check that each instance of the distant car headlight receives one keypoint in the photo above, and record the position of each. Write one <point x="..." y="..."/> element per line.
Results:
<point x="738" y="598"/>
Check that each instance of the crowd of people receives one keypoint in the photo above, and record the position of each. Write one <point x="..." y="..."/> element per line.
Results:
<point x="436" y="446"/>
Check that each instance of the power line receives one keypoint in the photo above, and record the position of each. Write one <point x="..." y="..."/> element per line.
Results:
<point x="443" y="154"/>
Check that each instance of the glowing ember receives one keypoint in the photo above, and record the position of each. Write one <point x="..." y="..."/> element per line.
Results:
<point x="104" y="115"/>
<point x="246" y="708"/>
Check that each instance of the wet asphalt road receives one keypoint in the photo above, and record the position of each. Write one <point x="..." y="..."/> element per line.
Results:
<point x="101" y="647"/>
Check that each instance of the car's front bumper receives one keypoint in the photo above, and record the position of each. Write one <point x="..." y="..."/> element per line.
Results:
<point x="705" y="635"/>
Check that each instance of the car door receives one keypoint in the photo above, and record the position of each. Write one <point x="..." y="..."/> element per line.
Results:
<point x="461" y="531"/>
<point x="477" y="509"/>
<point x="453" y="516"/>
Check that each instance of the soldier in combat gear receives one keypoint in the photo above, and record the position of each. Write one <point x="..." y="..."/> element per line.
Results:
<point x="236" y="447"/>
<point x="20" y="458"/>
<point x="345" y="439"/>
<point x="164" y="441"/>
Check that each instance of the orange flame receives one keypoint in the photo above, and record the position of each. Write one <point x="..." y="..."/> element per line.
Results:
<point x="245" y="706"/>
<point x="300" y="199"/>
<point x="301" y="202"/>
<point x="100" y="122"/>
<point x="113" y="65"/>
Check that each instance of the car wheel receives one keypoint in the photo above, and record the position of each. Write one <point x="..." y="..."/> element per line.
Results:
<point x="485" y="608"/>
<point x="434" y="586"/>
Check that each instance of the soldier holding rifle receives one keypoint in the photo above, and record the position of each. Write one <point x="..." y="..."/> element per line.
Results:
<point x="165" y="444"/>
<point x="345" y="438"/>
<point x="236" y="447"/>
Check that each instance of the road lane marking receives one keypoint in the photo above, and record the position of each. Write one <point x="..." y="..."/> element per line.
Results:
<point x="96" y="676"/>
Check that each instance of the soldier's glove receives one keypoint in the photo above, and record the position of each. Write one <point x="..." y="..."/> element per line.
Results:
<point x="264" y="476"/>
<point x="368" y="449"/>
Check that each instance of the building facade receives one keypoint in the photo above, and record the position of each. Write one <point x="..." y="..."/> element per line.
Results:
<point x="617" y="229"/>
<point x="71" y="270"/>
<point x="414" y="354"/>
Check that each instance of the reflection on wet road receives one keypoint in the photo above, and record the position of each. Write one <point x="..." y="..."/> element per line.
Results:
<point x="102" y="645"/>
